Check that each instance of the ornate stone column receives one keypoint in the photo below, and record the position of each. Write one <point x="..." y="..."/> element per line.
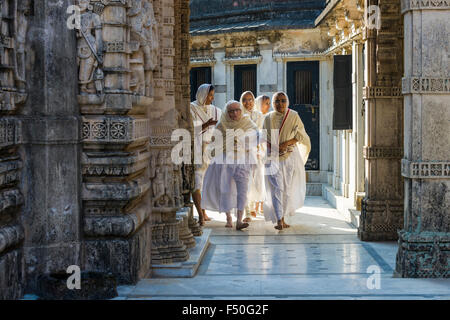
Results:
<point x="164" y="117"/>
<point x="358" y="120"/>
<point x="382" y="207"/>
<point x="50" y="126"/>
<point x="14" y="21"/>
<point x="424" y="242"/>
<point x="115" y="52"/>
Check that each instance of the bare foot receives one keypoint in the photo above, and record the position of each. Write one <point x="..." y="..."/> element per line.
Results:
<point x="247" y="219"/>
<point x="240" y="226"/>
<point x="279" y="225"/>
<point x="201" y="222"/>
<point x="229" y="223"/>
<point x="253" y="214"/>
<point x="206" y="217"/>
<point x="285" y="225"/>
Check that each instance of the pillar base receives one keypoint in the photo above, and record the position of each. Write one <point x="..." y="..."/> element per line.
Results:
<point x="11" y="275"/>
<point x="380" y="220"/>
<point x="127" y="259"/>
<point x="185" y="233"/>
<point x="423" y="255"/>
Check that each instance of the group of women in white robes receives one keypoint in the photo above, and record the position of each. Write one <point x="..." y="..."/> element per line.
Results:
<point x="237" y="185"/>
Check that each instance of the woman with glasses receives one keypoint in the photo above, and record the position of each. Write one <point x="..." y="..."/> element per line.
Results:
<point x="285" y="174"/>
<point x="226" y="180"/>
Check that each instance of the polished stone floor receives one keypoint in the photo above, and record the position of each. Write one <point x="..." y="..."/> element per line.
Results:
<point x="319" y="257"/>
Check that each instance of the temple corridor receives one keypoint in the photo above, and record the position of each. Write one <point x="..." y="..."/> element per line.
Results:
<point x="319" y="257"/>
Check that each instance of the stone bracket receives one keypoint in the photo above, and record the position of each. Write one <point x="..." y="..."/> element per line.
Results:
<point x="425" y="169"/>
<point x="425" y="85"/>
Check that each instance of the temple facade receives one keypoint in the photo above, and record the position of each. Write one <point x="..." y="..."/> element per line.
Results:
<point x="91" y="91"/>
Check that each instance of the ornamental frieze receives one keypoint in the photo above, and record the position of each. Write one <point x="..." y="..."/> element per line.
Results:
<point x="408" y="5"/>
<point x="10" y="132"/>
<point x="382" y="153"/>
<point x="382" y="92"/>
<point x="425" y="169"/>
<point x="115" y="129"/>
<point x="425" y="85"/>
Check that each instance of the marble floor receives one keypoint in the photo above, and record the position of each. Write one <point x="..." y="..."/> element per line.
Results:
<point x="319" y="257"/>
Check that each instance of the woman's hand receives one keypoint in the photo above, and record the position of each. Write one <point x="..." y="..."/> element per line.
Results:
<point x="209" y="123"/>
<point x="283" y="147"/>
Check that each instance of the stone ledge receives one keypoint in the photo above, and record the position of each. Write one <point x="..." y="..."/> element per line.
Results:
<point x="335" y="198"/>
<point x="186" y="269"/>
<point x="120" y="191"/>
<point x="355" y="217"/>
<point x="121" y="226"/>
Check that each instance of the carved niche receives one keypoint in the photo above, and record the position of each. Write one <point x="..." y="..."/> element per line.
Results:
<point x="13" y="29"/>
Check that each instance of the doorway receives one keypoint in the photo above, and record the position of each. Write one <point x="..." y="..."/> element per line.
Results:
<point x="303" y="92"/>
<point x="244" y="80"/>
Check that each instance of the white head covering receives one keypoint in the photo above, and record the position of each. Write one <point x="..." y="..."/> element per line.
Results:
<point x="244" y="123"/>
<point x="259" y="101"/>
<point x="273" y="103"/>
<point x="242" y="103"/>
<point x="202" y="94"/>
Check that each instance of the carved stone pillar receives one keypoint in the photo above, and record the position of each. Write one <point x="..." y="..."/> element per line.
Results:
<point x="382" y="207"/>
<point x="424" y="242"/>
<point x="358" y="120"/>
<point x="166" y="177"/>
<point x="13" y="94"/>
<point x="115" y="47"/>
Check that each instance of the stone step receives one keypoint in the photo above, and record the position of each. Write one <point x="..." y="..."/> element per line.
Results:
<point x="314" y="189"/>
<point x="186" y="269"/>
<point x="355" y="216"/>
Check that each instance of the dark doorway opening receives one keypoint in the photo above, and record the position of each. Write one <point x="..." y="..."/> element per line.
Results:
<point x="199" y="76"/>
<point x="244" y="79"/>
<point x="303" y="92"/>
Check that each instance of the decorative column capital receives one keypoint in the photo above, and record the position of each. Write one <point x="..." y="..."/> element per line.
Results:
<point x="409" y="5"/>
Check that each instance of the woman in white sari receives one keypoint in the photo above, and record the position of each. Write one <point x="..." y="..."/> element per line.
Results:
<point x="204" y="116"/>
<point x="285" y="187"/>
<point x="226" y="182"/>
<point x="256" y="193"/>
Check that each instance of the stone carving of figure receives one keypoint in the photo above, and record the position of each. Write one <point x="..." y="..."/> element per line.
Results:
<point x="152" y="165"/>
<point x="89" y="49"/>
<point x="23" y="10"/>
<point x="177" y="180"/>
<point x="158" y="186"/>
<point x="142" y="21"/>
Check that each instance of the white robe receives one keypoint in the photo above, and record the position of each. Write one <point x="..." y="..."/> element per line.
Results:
<point x="286" y="189"/>
<point x="257" y="190"/>
<point x="200" y="115"/>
